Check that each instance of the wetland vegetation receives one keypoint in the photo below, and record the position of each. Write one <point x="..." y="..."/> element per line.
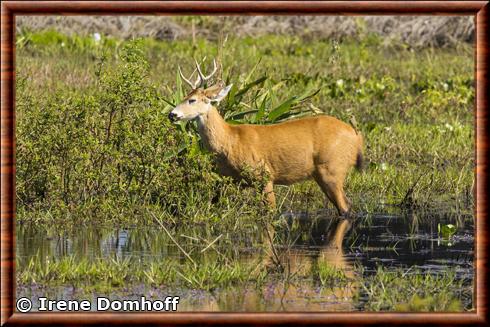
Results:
<point x="114" y="199"/>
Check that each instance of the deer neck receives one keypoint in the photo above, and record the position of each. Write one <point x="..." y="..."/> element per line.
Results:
<point x="214" y="131"/>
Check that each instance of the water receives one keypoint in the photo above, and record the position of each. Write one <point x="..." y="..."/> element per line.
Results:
<point x="303" y="241"/>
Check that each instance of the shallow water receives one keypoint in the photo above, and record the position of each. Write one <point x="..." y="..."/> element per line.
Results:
<point x="407" y="239"/>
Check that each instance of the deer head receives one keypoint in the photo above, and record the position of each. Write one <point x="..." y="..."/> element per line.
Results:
<point x="198" y="101"/>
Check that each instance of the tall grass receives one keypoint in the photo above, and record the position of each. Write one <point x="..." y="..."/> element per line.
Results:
<point x="94" y="143"/>
<point x="400" y="290"/>
<point x="393" y="289"/>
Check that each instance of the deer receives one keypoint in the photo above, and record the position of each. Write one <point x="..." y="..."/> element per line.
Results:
<point x="321" y="147"/>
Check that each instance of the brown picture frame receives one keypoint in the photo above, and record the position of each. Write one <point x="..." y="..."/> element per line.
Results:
<point x="9" y="9"/>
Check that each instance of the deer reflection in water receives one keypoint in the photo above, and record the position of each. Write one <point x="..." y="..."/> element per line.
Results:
<point x="297" y="286"/>
<point x="325" y="258"/>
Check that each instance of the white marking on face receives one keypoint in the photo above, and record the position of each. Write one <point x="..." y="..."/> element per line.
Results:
<point x="190" y="109"/>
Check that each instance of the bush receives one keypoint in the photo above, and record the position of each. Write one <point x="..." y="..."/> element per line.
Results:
<point x="109" y="146"/>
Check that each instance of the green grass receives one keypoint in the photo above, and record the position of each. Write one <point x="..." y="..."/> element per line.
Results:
<point x="330" y="275"/>
<point x="95" y="147"/>
<point x="411" y="290"/>
<point x="103" y="275"/>
<point x="110" y="155"/>
<point x="385" y="290"/>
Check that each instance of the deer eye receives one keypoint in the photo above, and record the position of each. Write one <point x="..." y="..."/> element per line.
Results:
<point x="191" y="101"/>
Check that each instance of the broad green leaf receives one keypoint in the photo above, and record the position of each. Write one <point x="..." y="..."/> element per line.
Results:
<point x="261" y="112"/>
<point x="231" y="96"/>
<point x="248" y="86"/>
<point x="294" y="116"/>
<point x="446" y="231"/>
<point x="308" y="94"/>
<point x="168" y="102"/>
<point x="252" y="71"/>
<point x="234" y="122"/>
<point x="281" y="109"/>
<point x="241" y="115"/>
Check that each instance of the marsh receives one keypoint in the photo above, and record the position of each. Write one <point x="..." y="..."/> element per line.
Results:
<point x="113" y="199"/>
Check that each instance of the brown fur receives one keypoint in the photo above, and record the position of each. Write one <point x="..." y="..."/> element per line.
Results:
<point x="322" y="148"/>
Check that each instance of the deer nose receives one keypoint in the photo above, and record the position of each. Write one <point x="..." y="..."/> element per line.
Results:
<point x="172" y="116"/>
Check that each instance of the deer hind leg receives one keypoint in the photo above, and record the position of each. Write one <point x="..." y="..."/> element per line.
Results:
<point x="333" y="187"/>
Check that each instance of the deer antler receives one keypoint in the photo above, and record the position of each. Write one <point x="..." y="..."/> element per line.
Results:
<point x="201" y="75"/>
<point x="192" y="85"/>
<point x="200" y="78"/>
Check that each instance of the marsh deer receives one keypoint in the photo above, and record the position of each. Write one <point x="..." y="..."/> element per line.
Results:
<point x="321" y="147"/>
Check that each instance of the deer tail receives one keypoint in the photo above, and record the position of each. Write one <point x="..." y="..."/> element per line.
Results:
<point x="360" y="144"/>
<point x="360" y="154"/>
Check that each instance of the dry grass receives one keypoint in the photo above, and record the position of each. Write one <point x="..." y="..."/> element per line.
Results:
<point x="419" y="31"/>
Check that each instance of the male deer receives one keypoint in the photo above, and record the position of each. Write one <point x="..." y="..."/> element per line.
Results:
<point x="322" y="147"/>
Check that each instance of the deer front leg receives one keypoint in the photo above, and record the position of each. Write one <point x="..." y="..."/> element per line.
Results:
<point x="269" y="192"/>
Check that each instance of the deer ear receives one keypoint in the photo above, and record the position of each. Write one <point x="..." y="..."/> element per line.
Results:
<point x="221" y="94"/>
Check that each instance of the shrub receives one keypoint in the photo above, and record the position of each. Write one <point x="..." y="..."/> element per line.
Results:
<point x="109" y="146"/>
